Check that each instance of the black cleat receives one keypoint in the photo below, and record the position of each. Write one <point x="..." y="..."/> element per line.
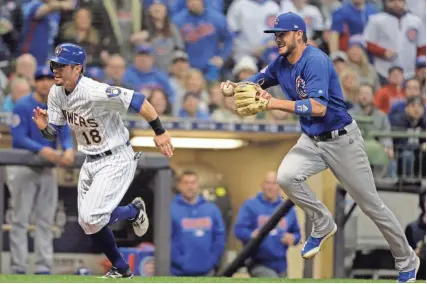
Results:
<point x="116" y="273"/>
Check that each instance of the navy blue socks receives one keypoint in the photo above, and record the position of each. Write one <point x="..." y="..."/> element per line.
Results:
<point x="105" y="240"/>
<point x="123" y="213"/>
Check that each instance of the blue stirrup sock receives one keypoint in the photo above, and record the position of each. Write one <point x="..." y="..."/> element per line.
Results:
<point x="104" y="239"/>
<point x="127" y="212"/>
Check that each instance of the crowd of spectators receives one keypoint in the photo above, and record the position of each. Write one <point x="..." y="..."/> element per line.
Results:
<point x="177" y="51"/>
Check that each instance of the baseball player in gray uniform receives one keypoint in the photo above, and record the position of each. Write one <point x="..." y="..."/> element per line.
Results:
<point x="330" y="138"/>
<point x="34" y="191"/>
<point x="93" y="111"/>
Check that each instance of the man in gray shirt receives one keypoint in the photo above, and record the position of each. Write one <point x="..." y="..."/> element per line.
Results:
<point x="366" y="107"/>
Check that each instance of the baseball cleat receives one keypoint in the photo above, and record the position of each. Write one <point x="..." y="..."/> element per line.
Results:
<point x="116" y="273"/>
<point x="409" y="276"/>
<point x="140" y="223"/>
<point x="312" y="245"/>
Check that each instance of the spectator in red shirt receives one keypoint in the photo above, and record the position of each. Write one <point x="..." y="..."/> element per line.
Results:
<point x="385" y="96"/>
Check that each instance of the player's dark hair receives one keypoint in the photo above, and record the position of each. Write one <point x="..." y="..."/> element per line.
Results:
<point x="187" y="173"/>
<point x="304" y="37"/>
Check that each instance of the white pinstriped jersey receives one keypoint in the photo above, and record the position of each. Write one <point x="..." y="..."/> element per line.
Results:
<point x="93" y="111"/>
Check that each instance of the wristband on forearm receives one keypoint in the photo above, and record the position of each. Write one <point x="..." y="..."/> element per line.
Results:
<point x="157" y="126"/>
<point x="50" y="132"/>
<point x="303" y="107"/>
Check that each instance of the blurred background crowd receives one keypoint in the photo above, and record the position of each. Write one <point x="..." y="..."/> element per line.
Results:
<point x="176" y="51"/>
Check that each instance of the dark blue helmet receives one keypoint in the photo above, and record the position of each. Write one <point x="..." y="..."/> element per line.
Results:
<point x="69" y="54"/>
<point x="286" y="22"/>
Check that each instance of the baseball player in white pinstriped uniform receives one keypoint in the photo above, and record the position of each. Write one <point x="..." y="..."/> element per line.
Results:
<point x="93" y="111"/>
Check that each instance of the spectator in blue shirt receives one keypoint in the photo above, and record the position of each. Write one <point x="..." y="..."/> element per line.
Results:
<point x="191" y="107"/>
<point x="19" y="87"/>
<point x="208" y="40"/>
<point x="41" y="27"/>
<point x="348" y="20"/>
<point x="198" y="233"/>
<point x="271" y="258"/>
<point x="142" y="76"/>
<point x="34" y="191"/>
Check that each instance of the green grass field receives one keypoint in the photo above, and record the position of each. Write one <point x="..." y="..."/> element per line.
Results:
<point x="95" y="279"/>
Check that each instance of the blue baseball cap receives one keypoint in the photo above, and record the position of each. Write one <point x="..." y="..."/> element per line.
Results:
<point x="286" y="22"/>
<point x="42" y="72"/>
<point x="144" y="49"/>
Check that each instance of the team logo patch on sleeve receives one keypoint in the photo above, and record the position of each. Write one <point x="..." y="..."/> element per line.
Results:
<point x="113" y="92"/>
<point x="301" y="88"/>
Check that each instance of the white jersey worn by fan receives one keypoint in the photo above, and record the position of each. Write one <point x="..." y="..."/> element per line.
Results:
<point x="93" y="111"/>
<point x="402" y="35"/>
<point x="311" y="14"/>
<point x="248" y="19"/>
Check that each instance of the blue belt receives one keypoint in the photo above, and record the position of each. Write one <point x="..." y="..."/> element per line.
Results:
<point x="106" y="153"/>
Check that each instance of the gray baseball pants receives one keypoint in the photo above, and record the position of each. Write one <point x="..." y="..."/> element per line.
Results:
<point x="346" y="157"/>
<point x="34" y="196"/>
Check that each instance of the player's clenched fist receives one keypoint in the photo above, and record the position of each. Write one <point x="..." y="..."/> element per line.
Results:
<point x="164" y="144"/>
<point x="40" y="118"/>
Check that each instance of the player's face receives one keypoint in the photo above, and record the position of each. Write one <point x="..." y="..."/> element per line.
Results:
<point x="63" y="74"/>
<point x="189" y="186"/>
<point x="43" y="86"/>
<point x="286" y="42"/>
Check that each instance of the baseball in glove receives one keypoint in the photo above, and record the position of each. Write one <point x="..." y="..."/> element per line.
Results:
<point x="250" y="98"/>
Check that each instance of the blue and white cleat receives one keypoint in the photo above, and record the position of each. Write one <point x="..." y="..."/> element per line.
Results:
<point x="140" y="223"/>
<point x="312" y="245"/>
<point x="409" y="276"/>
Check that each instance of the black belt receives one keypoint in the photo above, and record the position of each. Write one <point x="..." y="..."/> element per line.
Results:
<point x="104" y="154"/>
<point x="325" y="136"/>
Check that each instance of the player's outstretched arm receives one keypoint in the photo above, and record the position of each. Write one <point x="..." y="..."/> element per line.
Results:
<point x="307" y="107"/>
<point x="161" y="139"/>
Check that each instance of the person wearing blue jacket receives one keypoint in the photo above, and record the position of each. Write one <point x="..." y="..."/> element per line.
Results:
<point x="208" y="39"/>
<point x="271" y="258"/>
<point x="142" y="76"/>
<point x="198" y="233"/>
<point x="34" y="191"/>
<point x="176" y="6"/>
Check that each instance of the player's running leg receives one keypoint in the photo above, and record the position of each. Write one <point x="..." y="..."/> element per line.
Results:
<point x="112" y="176"/>
<point x="303" y="161"/>
<point x="134" y="212"/>
<point x="348" y="160"/>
